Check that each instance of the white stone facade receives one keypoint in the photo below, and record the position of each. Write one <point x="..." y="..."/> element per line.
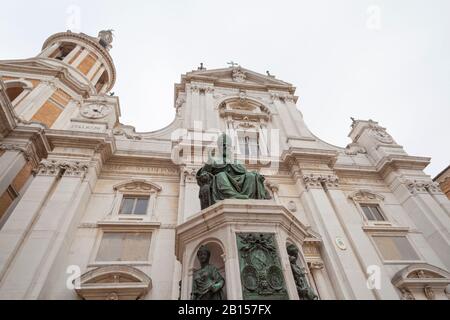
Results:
<point x="66" y="224"/>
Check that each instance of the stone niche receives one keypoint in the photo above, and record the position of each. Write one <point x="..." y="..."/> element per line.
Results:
<point x="227" y="229"/>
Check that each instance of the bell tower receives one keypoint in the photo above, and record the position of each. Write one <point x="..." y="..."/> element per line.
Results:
<point x="51" y="87"/>
<point x="87" y="55"/>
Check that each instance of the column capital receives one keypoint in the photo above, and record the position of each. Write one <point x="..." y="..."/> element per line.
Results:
<point x="318" y="181"/>
<point x="25" y="150"/>
<point x="422" y="186"/>
<point x="189" y="174"/>
<point x="66" y="168"/>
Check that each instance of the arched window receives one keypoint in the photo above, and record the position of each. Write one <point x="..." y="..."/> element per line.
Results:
<point x="17" y="89"/>
<point x="63" y="51"/>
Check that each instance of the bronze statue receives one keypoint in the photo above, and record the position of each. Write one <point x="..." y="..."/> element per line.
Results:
<point x="208" y="282"/>
<point x="305" y="292"/>
<point x="225" y="178"/>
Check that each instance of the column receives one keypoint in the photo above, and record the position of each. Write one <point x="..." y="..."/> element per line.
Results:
<point x="63" y="121"/>
<point x="50" y="50"/>
<point x="72" y="54"/>
<point x="52" y="228"/>
<point x="84" y="53"/>
<point x="211" y="114"/>
<point x="347" y="276"/>
<point x="22" y="218"/>
<point x="191" y="201"/>
<point x="426" y="213"/>
<point x="11" y="162"/>
<point x="317" y="272"/>
<point x="365" y="252"/>
<point x="34" y="100"/>
<point x="97" y="75"/>
<point x="195" y="112"/>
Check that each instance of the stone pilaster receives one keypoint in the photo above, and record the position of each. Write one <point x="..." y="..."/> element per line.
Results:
<point x="418" y="197"/>
<point x="11" y="162"/>
<point x="190" y="200"/>
<point x="326" y="220"/>
<point x="52" y="206"/>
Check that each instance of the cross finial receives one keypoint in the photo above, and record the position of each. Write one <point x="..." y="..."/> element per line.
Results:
<point x="201" y="67"/>
<point x="233" y="64"/>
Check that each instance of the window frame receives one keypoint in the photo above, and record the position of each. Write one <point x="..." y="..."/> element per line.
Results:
<point x="150" y="228"/>
<point x="380" y="211"/>
<point x="362" y="198"/>
<point x="393" y="234"/>
<point x="246" y="143"/>
<point x="136" y="199"/>
<point x="137" y="188"/>
<point x="127" y="262"/>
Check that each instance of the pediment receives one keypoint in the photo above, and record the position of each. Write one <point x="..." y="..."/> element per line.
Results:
<point x="113" y="283"/>
<point x="137" y="185"/>
<point x="421" y="275"/>
<point x="238" y="76"/>
<point x="30" y="63"/>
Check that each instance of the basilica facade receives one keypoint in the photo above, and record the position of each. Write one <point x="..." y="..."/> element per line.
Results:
<point x="92" y="209"/>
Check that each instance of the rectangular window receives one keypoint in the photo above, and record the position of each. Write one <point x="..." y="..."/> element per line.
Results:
<point x="134" y="206"/>
<point x="395" y="248"/>
<point x="249" y="147"/>
<point x="372" y="212"/>
<point x="120" y="246"/>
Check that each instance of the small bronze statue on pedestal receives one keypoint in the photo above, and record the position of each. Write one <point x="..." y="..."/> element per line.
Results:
<point x="305" y="292"/>
<point x="208" y="282"/>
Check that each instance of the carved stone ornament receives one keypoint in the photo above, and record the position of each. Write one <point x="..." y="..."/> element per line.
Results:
<point x="314" y="181"/>
<point x="261" y="271"/>
<point x="431" y="279"/>
<point x="380" y="133"/>
<point x="127" y="132"/>
<point x="67" y="168"/>
<point x="113" y="283"/>
<point x="26" y="151"/>
<point x="292" y="206"/>
<point x="422" y="186"/>
<point x="283" y="97"/>
<point x="407" y="294"/>
<point x="365" y="195"/>
<point x="354" y="149"/>
<point x="138" y="187"/>
<point x="238" y="75"/>
<point x="190" y="175"/>
<point x="95" y="111"/>
<point x="429" y="293"/>
<point x="181" y="100"/>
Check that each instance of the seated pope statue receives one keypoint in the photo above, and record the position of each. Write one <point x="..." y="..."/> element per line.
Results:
<point x="223" y="178"/>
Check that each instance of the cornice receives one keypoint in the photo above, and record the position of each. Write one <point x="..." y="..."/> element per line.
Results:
<point x="394" y="162"/>
<point x="102" y="144"/>
<point x="308" y="155"/>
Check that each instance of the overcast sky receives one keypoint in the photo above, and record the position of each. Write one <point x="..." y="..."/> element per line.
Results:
<point x="383" y="60"/>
